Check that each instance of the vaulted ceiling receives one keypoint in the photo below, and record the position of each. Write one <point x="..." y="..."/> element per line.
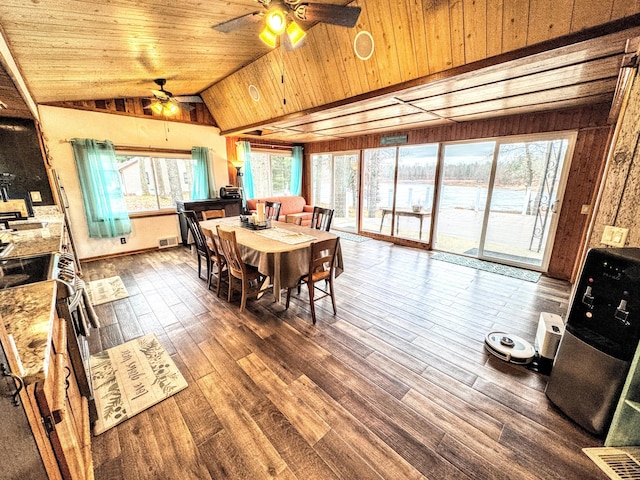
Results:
<point x="433" y="61"/>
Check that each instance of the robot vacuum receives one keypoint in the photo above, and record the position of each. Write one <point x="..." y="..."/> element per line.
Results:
<point x="509" y="348"/>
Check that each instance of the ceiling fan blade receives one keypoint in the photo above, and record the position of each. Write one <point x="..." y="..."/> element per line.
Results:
<point x="161" y="94"/>
<point x="327" y="13"/>
<point x="189" y="98"/>
<point x="186" y="107"/>
<point x="239" y="22"/>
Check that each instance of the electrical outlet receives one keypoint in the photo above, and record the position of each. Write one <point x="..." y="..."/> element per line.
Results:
<point x="614" y="236"/>
<point x="123" y="240"/>
<point x="585" y="209"/>
<point x="35" y="197"/>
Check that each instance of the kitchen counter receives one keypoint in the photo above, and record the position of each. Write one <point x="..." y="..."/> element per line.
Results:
<point x="34" y="241"/>
<point x="28" y="311"/>
<point x="28" y="314"/>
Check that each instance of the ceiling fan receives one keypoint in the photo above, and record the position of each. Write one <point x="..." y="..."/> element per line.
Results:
<point x="166" y="103"/>
<point x="280" y="15"/>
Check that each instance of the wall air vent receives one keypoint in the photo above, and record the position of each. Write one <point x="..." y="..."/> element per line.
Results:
<point x="167" y="242"/>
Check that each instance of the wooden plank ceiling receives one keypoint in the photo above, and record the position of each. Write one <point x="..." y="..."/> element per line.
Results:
<point x="434" y="61"/>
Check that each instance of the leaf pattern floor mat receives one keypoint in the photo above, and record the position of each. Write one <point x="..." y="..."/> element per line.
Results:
<point x="129" y="378"/>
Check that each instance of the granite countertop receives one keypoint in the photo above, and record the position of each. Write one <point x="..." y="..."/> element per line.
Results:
<point x="28" y="315"/>
<point x="34" y="241"/>
<point x="27" y="311"/>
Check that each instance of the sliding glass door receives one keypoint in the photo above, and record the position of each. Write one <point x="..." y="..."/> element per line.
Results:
<point x="498" y="200"/>
<point x="524" y="201"/>
<point x="335" y="186"/>
<point x="398" y="185"/>
<point x="464" y="184"/>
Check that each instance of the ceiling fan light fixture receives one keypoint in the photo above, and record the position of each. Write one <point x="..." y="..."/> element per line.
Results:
<point x="276" y="21"/>
<point x="156" y="107"/>
<point x="268" y="37"/>
<point x="171" y="108"/>
<point x="164" y="108"/>
<point x="295" y="33"/>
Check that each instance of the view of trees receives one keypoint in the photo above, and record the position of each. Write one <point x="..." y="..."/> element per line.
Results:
<point x="150" y="183"/>
<point x="271" y="174"/>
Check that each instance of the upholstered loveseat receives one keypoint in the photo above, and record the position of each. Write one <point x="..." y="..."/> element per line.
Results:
<point x="291" y="205"/>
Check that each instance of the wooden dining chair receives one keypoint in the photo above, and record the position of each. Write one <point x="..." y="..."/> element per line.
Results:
<point x="322" y="261"/>
<point x="251" y="279"/>
<point x="200" y="243"/>
<point x="321" y="218"/>
<point x="293" y="219"/>
<point x="218" y="259"/>
<point x="209" y="214"/>
<point x="272" y="210"/>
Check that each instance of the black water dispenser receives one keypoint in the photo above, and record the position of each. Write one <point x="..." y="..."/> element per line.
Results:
<point x="601" y="336"/>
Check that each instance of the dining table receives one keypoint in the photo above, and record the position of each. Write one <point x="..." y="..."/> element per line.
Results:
<point x="281" y="252"/>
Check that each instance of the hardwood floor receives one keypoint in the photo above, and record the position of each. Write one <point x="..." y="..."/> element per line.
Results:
<point x="397" y="385"/>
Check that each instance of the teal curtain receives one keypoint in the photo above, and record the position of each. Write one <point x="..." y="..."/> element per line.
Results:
<point x="104" y="204"/>
<point x="200" y="188"/>
<point x="243" y="150"/>
<point x="296" y="171"/>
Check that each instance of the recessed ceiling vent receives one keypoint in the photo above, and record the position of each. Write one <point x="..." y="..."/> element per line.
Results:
<point x="254" y="93"/>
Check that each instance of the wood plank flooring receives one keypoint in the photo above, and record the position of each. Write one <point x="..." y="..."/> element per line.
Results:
<point x="397" y="385"/>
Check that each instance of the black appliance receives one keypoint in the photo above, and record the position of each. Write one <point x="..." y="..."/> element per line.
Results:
<point x="230" y="191"/>
<point x="232" y="208"/>
<point x="24" y="270"/>
<point x="601" y="336"/>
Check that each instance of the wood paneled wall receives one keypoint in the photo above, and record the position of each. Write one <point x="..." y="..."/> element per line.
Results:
<point x="413" y="39"/>
<point x="138" y="107"/>
<point x="620" y="194"/>
<point x="584" y="176"/>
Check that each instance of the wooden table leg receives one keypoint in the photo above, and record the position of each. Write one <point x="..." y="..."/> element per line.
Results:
<point x="276" y="276"/>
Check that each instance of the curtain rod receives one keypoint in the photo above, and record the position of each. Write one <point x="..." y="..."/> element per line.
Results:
<point x="271" y="145"/>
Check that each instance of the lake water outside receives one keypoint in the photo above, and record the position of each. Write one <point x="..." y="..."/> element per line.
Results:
<point x="461" y="215"/>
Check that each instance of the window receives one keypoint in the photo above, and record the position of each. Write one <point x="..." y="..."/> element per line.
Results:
<point x="335" y="185"/>
<point x="271" y="173"/>
<point x="154" y="182"/>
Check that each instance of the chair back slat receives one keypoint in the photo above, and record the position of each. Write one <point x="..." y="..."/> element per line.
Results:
<point x="231" y="252"/>
<point x="209" y="214"/>
<point x="321" y="218"/>
<point x="323" y="256"/>
<point x="272" y="210"/>
<point x="198" y="237"/>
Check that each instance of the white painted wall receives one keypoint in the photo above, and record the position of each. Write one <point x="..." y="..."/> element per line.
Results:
<point x="59" y="125"/>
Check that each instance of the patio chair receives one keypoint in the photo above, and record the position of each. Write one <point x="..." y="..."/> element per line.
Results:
<point x="321" y="219"/>
<point x="251" y="279"/>
<point x="217" y="258"/>
<point x="321" y="269"/>
<point x="209" y="214"/>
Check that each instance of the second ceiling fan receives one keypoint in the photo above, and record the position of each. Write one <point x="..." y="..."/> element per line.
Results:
<point x="166" y="103"/>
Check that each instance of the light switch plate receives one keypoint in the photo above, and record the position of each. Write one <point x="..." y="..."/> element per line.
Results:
<point x="614" y="236"/>
<point x="586" y="208"/>
<point x="35" y="196"/>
